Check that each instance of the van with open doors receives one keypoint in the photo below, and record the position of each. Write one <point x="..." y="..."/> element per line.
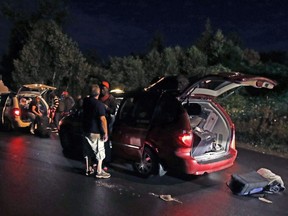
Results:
<point x="163" y="128"/>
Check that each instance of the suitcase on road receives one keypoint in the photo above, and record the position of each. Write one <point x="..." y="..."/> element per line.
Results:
<point x="247" y="183"/>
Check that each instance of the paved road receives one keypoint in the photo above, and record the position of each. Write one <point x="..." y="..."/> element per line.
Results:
<point x="36" y="179"/>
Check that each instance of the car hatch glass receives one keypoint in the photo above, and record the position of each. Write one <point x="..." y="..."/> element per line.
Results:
<point x="216" y="85"/>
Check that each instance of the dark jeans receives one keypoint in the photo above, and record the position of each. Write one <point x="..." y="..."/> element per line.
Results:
<point x="32" y="117"/>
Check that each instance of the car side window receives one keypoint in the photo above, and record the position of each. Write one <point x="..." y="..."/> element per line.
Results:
<point x="144" y="110"/>
<point x="138" y="110"/>
<point x="126" y="112"/>
<point x="168" y="110"/>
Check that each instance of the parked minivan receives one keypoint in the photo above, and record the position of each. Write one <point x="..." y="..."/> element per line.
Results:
<point x="188" y="131"/>
<point x="164" y="127"/>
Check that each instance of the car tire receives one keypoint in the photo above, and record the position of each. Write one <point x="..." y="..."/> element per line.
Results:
<point x="148" y="165"/>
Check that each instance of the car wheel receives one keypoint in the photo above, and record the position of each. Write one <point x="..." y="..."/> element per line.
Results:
<point x="148" y="165"/>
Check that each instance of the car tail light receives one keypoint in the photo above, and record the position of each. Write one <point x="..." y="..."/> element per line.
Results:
<point x="186" y="138"/>
<point x="16" y="112"/>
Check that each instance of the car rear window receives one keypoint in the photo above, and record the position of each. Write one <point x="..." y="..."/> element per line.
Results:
<point x="169" y="110"/>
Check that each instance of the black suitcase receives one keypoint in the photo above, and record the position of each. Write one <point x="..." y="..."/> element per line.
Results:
<point x="247" y="183"/>
<point x="42" y="124"/>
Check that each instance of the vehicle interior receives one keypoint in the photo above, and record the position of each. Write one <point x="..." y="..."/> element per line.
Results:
<point x="211" y="130"/>
<point x="24" y="102"/>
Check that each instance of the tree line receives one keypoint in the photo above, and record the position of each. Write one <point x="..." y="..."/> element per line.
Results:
<point x="40" y="52"/>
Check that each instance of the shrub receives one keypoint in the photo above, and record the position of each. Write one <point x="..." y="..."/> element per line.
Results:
<point x="260" y="121"/>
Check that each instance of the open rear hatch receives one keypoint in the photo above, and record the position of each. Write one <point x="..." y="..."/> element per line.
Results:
<point x="215" y="85"/>
<point x="41" y="88"/>
<point x="212" y="127"/>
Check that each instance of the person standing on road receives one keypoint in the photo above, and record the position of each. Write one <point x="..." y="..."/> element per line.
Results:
<point x="109" y="102"/>
<point x="68" y="102"/>
<point x="78" y="102"/>
<point x="110" y="107"/>
<point x="95" y="127"/>
<point x="54" y="115"/>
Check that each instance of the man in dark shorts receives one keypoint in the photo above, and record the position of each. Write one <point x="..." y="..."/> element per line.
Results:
<point x="95" y="127"/>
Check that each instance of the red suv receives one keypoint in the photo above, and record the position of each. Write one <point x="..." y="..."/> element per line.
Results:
<point x="164" y="128"/>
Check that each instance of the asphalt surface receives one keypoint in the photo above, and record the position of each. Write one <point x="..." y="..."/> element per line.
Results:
<point x="37" y="179"/>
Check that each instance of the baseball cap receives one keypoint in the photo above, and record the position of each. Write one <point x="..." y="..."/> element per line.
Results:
<point x="106" y="84"/>
<point x="65" y="93"/>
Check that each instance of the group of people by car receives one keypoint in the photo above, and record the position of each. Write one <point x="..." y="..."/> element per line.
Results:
<point x="98" y="108"/>
<point x="58" y="108"/>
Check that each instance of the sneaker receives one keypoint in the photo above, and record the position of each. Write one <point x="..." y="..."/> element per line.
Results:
<point x="103" y="174"/>
<point x="32" y="131"/>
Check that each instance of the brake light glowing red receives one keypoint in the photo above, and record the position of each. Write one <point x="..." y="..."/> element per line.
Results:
<point x="16" y="112"/>
<point x="186" y="139"/>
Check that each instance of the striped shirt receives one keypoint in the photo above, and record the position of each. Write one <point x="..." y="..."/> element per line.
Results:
<point x="55" y="103"/>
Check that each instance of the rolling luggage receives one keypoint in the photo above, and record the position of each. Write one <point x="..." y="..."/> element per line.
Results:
<point x="247" y="183"/>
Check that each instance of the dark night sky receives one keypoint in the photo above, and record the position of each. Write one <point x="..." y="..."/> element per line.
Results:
<point x="118" y="28"/>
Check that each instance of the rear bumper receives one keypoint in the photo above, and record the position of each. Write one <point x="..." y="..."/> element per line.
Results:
<point x="18" y="123"/>
<point x="191" y="166"/>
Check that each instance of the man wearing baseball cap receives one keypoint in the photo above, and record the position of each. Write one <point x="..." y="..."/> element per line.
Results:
<point x="110" y="106"/>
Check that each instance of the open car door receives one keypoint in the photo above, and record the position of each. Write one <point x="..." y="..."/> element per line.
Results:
<point x="41" y="88"/>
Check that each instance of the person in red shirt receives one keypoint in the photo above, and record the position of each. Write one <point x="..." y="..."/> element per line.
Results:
<point x="110" y="107"/>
